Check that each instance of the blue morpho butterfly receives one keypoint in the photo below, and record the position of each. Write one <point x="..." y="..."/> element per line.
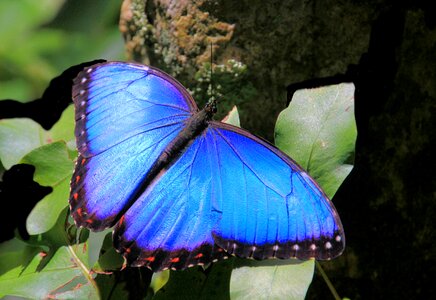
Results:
<point x="183" y="189"/>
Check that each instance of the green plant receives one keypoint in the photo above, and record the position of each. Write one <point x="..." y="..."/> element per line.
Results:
<point x="59" y="261"/>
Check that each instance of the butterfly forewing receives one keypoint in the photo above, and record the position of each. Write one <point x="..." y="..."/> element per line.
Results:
<point x="126" y="114"/>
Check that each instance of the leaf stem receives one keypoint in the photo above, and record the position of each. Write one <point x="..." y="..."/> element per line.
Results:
<point x="327" y="281"/>
<point x="85" y="271"/>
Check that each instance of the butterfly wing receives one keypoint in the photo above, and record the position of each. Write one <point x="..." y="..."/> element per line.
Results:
<point x="270" y="206"/>
<point x="126" y="114"/>
<point x="230" y="190"/>
<point x="170" y="225"/>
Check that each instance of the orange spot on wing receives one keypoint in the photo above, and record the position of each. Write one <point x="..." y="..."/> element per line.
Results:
<point x="150" y="258"/>
<point x="199" y="255"/>
<point x="83" y="161"/>
<point x="75" y="196"/>
<point x="77" y="178"/>
<point x="127" y="250"/>
<point x="79" y="211"/>
<point x="175" y="259"/>
<point x="121" y="220"/>
<point x="89" y="221"/>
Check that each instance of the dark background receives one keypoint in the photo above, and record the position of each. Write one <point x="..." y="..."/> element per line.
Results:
<point x="388" y="49"/>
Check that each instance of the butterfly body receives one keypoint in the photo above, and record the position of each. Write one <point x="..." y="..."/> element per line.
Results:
<point x="181" y="188"/>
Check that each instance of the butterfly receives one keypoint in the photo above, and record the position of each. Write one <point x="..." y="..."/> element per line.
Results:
<point x="183" y="189"/>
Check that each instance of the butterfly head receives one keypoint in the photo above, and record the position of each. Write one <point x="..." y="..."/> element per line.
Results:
<point x="211" y="108"/>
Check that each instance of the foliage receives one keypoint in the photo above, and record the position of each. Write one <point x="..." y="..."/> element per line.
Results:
<point x="38" y="41"/>
<point x="60" y="262"/>
<point x="323" y="132"/>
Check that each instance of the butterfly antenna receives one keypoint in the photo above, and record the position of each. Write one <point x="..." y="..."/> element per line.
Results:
<point x="214" y="97"/>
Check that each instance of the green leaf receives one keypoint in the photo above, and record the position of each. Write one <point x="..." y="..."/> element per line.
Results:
<point x="47" y="266"/>
<point x="17" y="138"/>
<point x="20" y="136"/>
<point x="159" y="279"/>
<point x="56" y="237"/>
<point x="45" y="213"/>
<point x="271" y="279"/>
<point x="232" y="117"/>
<point x="24" y="141"/>
<point x="64" y="128"/>
<point x="195" y="283"/>
<point x="318" y="131"/>
<point x="109" y="259"/>
<point x="13" y="254"/>
<point x="52" y="163"/>
<point x="64" y="276"/>
<point x="53" y="167"/>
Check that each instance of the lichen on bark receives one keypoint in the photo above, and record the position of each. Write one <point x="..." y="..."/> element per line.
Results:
<point x="293" y="40"/>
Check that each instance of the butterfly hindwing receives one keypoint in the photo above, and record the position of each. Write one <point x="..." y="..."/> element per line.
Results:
<point x="276" y="209"/>
<point x="126" y="114"/>
<point x="170" y="225"/>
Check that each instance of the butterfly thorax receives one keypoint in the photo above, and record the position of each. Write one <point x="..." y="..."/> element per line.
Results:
<point x="193" y="127"/>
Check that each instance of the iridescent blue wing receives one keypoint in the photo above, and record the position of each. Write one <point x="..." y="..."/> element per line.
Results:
<point x="277" y="209"/>
<point x="126" y="114"/>
<point x="230" y="190"/>
<point x="170" y="225"/>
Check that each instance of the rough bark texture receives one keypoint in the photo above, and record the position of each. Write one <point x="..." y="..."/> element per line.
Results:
<point x="387" y="49"/>
<point x="280" y="42"/>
